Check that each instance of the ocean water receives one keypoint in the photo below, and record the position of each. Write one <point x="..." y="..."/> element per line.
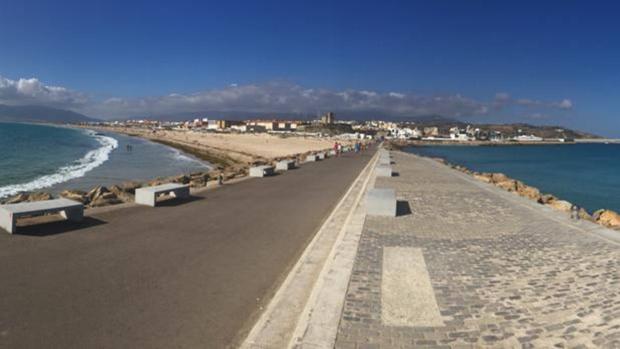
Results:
<point x="49" y="158"/>
<point x="585" y="174"/>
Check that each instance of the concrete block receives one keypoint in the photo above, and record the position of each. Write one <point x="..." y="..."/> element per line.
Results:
<point x="261" y="171"/>
<point x="381" y="202"/>
<point x="312" y="158"/>
<point x="285" y="165"/>
<point x="331" y="153"/>
<point x="383" y="171"/>
<point x="69" y="209"/>
<point x="148" y="195"/>
<point x="321" y="156"/>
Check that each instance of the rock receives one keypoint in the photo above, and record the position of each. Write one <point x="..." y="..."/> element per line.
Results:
<point x="546" y="198"/>
<point x="75" y="195"/>
<point x="183" y="179"/>
<point x="560" y="205"/>
<point x="483" y="177"/>
<point x="29" y="197"/>
<point x="130" y="187"/>
<point x="510" y="185"/>
<point x="40" y="196"/>
<point x="102" y="196"/>
<point x="583" y="214"/>
<point x="527" y="191"/>
<point x="499" y="177"/>
<point x="21" y="197"/>
<point x="607" y="218"/>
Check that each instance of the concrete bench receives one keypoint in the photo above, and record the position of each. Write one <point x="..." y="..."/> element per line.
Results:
<point x="321" y="156"/>
<point x="381" y="202"/>
<point x="261" y="171"/>
<point x="383" y="171"/>
<point x="331" y="153"/>
<point x="311" y="158"/>
<point x="69" y="209"/>
<point x="148" y="195"/>
<point x="285" y="165"/>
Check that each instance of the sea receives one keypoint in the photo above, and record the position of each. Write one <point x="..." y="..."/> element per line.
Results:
<point x="586" y="174"/>
<point x="36" y="157"/>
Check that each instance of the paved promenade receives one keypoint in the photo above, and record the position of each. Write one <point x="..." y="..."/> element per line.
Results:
<point x="467" y="265"/>
<point x="188" y="275"/>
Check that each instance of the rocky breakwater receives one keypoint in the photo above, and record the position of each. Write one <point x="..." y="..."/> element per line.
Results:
<point x="603" y="217"/>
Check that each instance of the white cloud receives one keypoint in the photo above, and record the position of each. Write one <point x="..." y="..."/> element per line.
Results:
<point x="277" y="97"/>
<point x="32" y="91"/>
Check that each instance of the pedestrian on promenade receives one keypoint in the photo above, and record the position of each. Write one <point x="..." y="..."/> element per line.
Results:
<point x="220" y="179"/>
<point x="336" y="148"/>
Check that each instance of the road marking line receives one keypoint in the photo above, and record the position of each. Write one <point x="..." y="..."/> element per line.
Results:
<point x="407" y="296"/>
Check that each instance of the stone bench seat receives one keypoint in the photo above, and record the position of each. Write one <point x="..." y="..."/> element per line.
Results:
<point x="148" y="195"/>
<point x="381" y="202"/>
<point x="69" y="209"/>
<point x="285" y="165"/>
<point x="261" y="171"/>
<point x="321" y="156"/>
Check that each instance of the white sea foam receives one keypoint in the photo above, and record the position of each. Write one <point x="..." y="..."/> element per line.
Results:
<point x="180" y="156"/>
<point x="79" y="168"/>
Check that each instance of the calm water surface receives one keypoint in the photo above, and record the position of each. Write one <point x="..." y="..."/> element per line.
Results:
<point x="586" y="174"/>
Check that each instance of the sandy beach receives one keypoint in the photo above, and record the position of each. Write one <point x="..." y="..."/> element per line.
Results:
<point x="231" y="147"/>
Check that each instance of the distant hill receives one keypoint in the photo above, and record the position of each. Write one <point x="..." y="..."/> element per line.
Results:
<point x="35" y="113"/>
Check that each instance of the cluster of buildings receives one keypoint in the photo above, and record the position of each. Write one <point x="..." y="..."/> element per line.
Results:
<point x="467" y="134"/>
<point x="328" y="125"/>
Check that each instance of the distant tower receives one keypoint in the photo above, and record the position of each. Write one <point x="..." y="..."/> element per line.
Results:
<point x="328" y="118"/>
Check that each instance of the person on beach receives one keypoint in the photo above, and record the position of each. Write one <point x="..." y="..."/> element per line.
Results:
<point x="336" y="148"/>
<point x="574" y="212"/>
<point x="220" y="179"/>
<point x="339" y="148"/>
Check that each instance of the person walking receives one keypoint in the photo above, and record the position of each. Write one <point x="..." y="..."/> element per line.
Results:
<point x="336" y="148"/>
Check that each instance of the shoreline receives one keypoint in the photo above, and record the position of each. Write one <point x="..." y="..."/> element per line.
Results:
<point x="228" y="163"/>
<point x="602" y="216"/>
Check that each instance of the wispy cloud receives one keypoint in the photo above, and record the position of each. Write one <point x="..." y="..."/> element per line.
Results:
<point x="277" y="97"/>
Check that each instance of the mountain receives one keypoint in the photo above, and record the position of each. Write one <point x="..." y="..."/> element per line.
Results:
<point x="35" y="113"/>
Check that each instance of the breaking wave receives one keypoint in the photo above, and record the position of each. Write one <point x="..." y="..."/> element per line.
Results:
<point x="79" y="168"/>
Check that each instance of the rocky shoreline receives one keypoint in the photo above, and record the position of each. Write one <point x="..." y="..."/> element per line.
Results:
<point x="100" y="196"/>
<point x="607" y="218"/>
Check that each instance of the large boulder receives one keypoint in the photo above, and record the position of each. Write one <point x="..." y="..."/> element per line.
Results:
<point x="499" y="177"/>
<point x="102" y="196"/>
<point x="29" y="197"/>
<point x="483" y="177"/>
<point x="510" y="185"/>
<point x="21" y="197"/>
<point x="130" y="186"/>
<point x="546" y="198"/>
<point x="607" y="218"/>
<point x="527" y="191"/>
<point x="560" y="205"/>
<point x="40" y="196"/>
<point x="75" y="195"/>
<point x="183" y="179"/>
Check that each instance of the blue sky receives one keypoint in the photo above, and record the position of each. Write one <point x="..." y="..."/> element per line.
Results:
<point x="554" y="62"/>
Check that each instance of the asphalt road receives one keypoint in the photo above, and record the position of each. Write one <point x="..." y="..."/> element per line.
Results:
<point x="186" y="275"/>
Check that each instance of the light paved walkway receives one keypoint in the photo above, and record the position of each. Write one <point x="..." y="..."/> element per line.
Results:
<point x="483" y="267"/>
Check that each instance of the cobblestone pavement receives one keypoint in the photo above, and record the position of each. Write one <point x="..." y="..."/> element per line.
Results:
<point x="504" y="275"/>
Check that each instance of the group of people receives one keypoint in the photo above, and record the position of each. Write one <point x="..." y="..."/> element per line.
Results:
<point x="358" y="146"/>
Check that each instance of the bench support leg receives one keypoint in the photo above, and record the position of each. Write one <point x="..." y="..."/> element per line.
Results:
<point x="73" y="214"/>
<point x="145" y="198"/>
<point x="7" y="222"/>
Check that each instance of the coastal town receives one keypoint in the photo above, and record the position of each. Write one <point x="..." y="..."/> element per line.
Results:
<point x="328" y="126"/>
